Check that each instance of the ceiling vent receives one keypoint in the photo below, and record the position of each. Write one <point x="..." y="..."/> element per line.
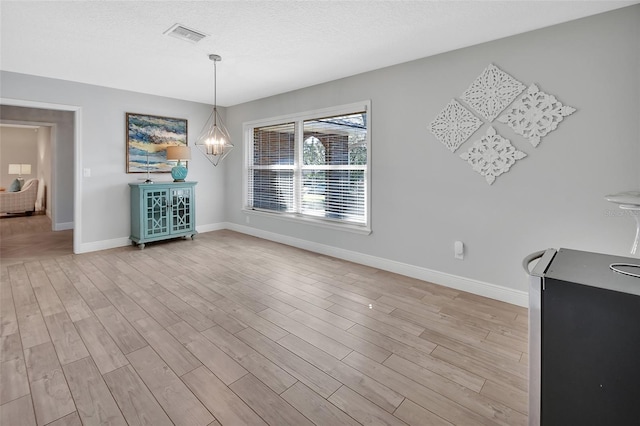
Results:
<point x="184" y="33"/>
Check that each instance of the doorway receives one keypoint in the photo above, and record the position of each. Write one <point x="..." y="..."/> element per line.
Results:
<point x="65" y="123"/>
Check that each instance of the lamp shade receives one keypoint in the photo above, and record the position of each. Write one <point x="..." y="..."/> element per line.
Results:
<point x="19" y="169"/>
<point x="179" y="152"/>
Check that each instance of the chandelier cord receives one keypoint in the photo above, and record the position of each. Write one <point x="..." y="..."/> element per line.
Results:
<point x="215" y="93"/>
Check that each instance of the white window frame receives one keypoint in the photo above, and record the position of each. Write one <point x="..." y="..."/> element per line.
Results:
<point x="298" y="119"/>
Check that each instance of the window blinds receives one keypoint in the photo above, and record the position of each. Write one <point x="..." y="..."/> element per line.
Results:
<point x="311" y="167"/>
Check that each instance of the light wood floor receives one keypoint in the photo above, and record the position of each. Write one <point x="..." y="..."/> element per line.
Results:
<point x="25" y="238"/>
<point x="229" y="329"/>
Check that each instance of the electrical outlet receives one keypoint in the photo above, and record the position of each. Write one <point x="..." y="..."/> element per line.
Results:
<point x="458" y="250"/>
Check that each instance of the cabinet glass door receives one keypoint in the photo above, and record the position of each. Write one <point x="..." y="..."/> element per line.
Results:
<point x="181" y="210"/>
<point x="156" y="212"/>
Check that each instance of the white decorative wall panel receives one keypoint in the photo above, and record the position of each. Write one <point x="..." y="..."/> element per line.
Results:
<point x="492" y="92"/>
<point x="492" y="155"/>
<point x="535" y="114"/>
<point x="454" y="125"/>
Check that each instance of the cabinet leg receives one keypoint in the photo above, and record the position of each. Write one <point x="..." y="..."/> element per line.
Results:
<point x="193" y="236"/>
<point x="141" y="246"/>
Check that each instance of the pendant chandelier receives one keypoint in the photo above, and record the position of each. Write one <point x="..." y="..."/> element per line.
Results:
<point x="214" y="141"/>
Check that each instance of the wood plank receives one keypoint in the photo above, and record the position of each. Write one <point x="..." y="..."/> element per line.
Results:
<point x="480" y="367"/>
<point x="384" y="318"/>
<point x="50" y="393"/>
<point x="268" y="372"/>
<point x="362" y="303"/>
<point x="437" y="365"/>
<point x="65" y="338"/>
<point x="33" y="330"/>
<point x="100" y="345"/>
<point x="515" y="343"/>
<point x="217" y="315"/>
<point x="18" y="412"/>
<point x="178" y="402"/>
<point x="491" y="303"/>
<point x="302" y="370"/>
<point x="508" y="328"/>
<point x="303" y="292"/>
<point x="480" y="311"/>
<point x="319" y="340"/>
<point x="414" y="415"/>
<point x="249" y="302"/>
<point x="136" y="402"/>
<point x="159" y="312"/>
<point x="264" y="299"/>
<point x="314" y="310"/>
<point x="22" y="292"/>
<point x="221" y="364"/>
<point x="125" y="305"/>
<point x="488" y="408"/>
<point x="362" y="409"/>
<point x="440" y="322"/>
<point x="320" y="411"/>
<point x="91" y="295"/>
<point x="244" y="315"/>
<point x="508" y="395"/>
<point x="120" y="330"/>
<point x="10" y="347"/>
<point x="507" y="364"/>
<point x="48" y="299"/>
<point x="219" y="399"/>
<point x="13" y="380"/>
<point x="188" y="313"/>
<point x="268" y="404"/>
<point x="426" y="397"/>
<point x="69" y="420"/>
<point x="74" y="304"/>
<point x="8" y="318"/>
<point x="93" y="400"/>
<point x="386" y="329"/>
<point x="170" y="350"/>
<point x="371" y="389"/>
<point x="349" y="340"/>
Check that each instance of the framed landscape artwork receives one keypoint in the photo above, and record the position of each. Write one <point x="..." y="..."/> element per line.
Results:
<point x="148" y="137"/>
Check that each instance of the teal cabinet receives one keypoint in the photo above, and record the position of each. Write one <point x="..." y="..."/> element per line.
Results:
<point x="162" y="210"/>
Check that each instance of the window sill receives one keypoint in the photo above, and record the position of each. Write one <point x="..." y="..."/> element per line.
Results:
<point x="322" y="223"/>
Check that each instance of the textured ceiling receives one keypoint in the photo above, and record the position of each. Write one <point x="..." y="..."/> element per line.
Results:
<point x="267" y="47"/>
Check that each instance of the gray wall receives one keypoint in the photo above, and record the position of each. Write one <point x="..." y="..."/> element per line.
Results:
<point x="105" y="195"/>
<point x="17" y="146"/>
<point x="424" y="198"/>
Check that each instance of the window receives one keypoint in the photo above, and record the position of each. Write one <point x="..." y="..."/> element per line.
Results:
<point x="311" y="166"/>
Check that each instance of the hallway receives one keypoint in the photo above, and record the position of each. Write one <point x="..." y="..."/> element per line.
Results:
<point x="26" y="238"/>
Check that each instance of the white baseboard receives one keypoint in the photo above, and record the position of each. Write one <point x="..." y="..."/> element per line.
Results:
<point x="125" y="241"/>
<point x="62" y="226"/>
<point x="480" y="288"/>
<point x="102" y="245"/>
<point x="212" y="227"/>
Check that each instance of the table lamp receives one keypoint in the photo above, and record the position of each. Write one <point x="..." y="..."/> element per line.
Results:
<point x="179" y="172"/>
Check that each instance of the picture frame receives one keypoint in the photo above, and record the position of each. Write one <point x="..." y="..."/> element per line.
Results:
<point x="147" y="139"/>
